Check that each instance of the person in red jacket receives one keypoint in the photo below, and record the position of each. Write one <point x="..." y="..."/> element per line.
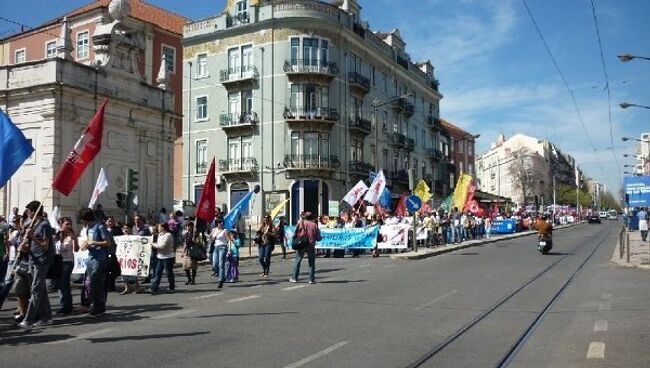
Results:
<point x="306" y="227"/>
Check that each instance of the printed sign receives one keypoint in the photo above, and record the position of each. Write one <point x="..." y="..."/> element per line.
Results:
<point x="394" y="236"/>
<point x="333" y="209"/>
<point x="133" y="253"/>
<point x="354" y="238"/>
<point x="637" y="189"/>
<point x="421" y="233"/>
<point x="503" y="226"/>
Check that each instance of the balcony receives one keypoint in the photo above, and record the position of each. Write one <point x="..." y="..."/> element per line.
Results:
<point x="237" y="20"/>
<point x="358" y="29"/>
<point x="311" y="164"/>
<point x="359" y="83"/>
<point x="311" y="70"/>
<point x="309" y="118"/>
<point x="360" y="167"/>
<point x="434" y="122"/>
<point x="245" y="167"/>
<point x="238" y="122"/>
<point x="435" y="153"/>
<point x="409" y="144"/>
<point x="360" y="125"/>
<point x="399" y="176"/>
<point x="404" y="106"/>
<point x="434" y="84"/>
<point x="201" y="168"/>
<point x="239" y="77"/>
<point x="398" y="139"/>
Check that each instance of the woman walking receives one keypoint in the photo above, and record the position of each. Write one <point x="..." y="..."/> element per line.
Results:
<point x="189" y="264"/>
<point x="266" y="237"/>
<point x="66" y="245"/>
<point x="219" y="237"/>
<point x="165" y="255"/>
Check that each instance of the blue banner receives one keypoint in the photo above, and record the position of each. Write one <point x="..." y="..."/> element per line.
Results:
<point x="637" y="189"/>
<point x="503" y="226"/>
<point x="354" y="238"/>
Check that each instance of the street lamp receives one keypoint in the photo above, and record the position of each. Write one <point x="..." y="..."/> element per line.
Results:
<point x="625" y="105"/>
<point x="625" y="139"/>
<point x="627" y="57"/>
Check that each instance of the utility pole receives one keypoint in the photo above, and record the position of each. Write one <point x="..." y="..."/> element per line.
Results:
<point x="189" y="132"/>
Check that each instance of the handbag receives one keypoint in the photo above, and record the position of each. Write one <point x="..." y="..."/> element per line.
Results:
<point x="197" y="253"/>
<point x="114" y="268"/>
<point x="300" y="242"/>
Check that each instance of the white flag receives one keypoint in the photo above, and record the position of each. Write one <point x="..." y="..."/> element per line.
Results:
<point x="55" y="216"/>
<point x="577" y="176"/>
<point x="356" y="193"/>
<point x="100" y="187"/>
<point x="135" y="200"/>
<point x="376" y="188"/>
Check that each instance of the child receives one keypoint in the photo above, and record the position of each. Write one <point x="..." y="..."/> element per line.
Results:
<point x="233" y="257"/>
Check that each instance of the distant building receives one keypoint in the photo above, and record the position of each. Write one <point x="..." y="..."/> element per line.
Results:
<point x="282" y="95"/>
<point x="52" y="99"/>
<point x="462" y="146"/>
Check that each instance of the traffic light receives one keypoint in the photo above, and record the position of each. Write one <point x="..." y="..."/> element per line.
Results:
<point x="121" y="200"/>
<point x="131" y="180"/>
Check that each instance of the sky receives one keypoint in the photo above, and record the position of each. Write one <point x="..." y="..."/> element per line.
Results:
<point x="495" y="72"/>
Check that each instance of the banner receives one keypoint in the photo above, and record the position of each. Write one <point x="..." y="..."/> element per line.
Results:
<point x="503" y="226"/>
<point x="356" y="193"/>
<point x="394" y="236"/>
<point x="376" y="188"/>
<point x="354" y="238"/>
<point x="80" y="259"/>
<point x="205" y="209"/>
<point x="461" y="191"/>
<point x="422" y="191"/>
<point x="14" y="148"/>
<point x="133" y="253"/>
<point x="421" y="233"/>
<point x="637" y="190"/>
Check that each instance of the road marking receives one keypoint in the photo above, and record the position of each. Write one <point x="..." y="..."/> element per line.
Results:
<point x="434" y="301"/>
<point x="206" y="296"/>
<point x="293" y="287"/>
<point x="174" y="314"/>
<point x="607" y="296"/>
<point x="596" y="350"/>
<point x="318" y="355"/>
<point x="82" y="336"/>
<point x="604" y="306"/>
<point x="243" y="299"/>
<point x="600" y="325"/>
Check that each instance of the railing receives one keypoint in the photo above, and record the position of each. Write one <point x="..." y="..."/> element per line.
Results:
<point x="434" y="122"/>
<point x="358" y="122"/>
<point x="435" y="153"/>
<point x="201" y="167"/>
<point x="399" y="175"/>
<point x="244" y="164"/>
<point x="358" y="29"/>
<point x="403" y="105"/>
<point x="243" y="119"/>
<point x="318" y="113"/>
<point x="360" y="166"/>
<point x="310" y="161"/>
<point x="410" y="143"/>
<point x="398" y="139"/>
<point x="239" y="19"/>
<point x="238" y="73"/>
<point x="305" y="66"/>
<point x="359" y="79"/>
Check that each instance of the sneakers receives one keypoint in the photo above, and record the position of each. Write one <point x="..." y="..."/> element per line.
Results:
<point x="47" y="322"/>
<point x="25" y="326"/>
<point x="96" y="312"/>
<point x="292" y="280"/>
<point x="220" y="285"/>
<point x="312" y="282"/>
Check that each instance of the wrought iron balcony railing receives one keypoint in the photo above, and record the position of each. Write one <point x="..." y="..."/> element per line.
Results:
<point x="359" y="80"/>
<point x="359" y="123"/>
<point x="311" y="161"/>
<point x="305" y="66"/>
<point x="238" y="120"/>
<point x="235" y="165"/>
<point x="318" y="113"/>
<point x="238" y="73"/>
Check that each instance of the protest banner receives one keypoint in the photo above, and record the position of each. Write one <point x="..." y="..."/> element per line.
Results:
<point x="80" y="257"/>
<point x="354" y="238"/>
<point x="394" y="236"/>
<point x="133" y="253"/>
<point x="421" y="233"/>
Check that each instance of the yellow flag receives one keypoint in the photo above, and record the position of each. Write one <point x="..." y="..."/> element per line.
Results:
<point x="460" y="193"/>
<point x="275" y="211"/>
<point x="422" y="191"/>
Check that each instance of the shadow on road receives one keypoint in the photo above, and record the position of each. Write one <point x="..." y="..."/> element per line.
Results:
<point x="341" y="281"/>
<point x="241" y="314"/>
<point x="145" y="337"/>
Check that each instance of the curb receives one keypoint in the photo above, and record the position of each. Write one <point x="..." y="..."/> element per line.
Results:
<point x="472" y="243"/>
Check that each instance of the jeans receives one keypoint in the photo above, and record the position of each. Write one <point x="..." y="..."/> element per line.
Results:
<point x="153" y="260"/>
<point x="96" y="270"/>
<point x="311" y="260"/>
<point x="265" y="257"/>
<point x="457" y="234"/>
<point x="166" y="264"/>
<point x="644" y="235"/>
<point x="4" y="266"/>
<point x="39" y="303"/>
<point x="219" y="261"/>
<point x="65" y="293"/>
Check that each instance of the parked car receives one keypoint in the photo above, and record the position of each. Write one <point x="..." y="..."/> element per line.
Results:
<point x="603" y="214"/>
<point x="187" y="207"/>
<point x="594" y="219"/>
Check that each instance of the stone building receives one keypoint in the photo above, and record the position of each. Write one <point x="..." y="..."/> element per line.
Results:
<point x="283" y="95"/>
<point x="52" y="99"/>
<point x="462" y="148"/>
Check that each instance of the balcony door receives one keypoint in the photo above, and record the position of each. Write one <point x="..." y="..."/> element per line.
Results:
<point x="234" y="107"/>
<point x="311" y="146"/>
<point x="310" y="51"/>
<point x="234" y="153"/>
<point x="246" y="58"/>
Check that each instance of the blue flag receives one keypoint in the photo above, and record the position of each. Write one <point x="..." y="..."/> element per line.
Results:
<point x="231" y="219"/>
<point x="386" y="200"/>
<point x="372" y="175"/>
<point x="14" y="148"/>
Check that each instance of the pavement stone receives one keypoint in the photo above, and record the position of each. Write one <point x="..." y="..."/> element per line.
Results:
<point x="639" y="252"/>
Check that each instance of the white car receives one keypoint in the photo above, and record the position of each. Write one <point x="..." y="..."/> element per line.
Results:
<point x="187" y="207"/>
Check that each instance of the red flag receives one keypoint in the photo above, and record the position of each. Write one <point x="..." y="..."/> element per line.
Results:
<point x="206" y="208"/>
<point x="83" y="152"/>
<point x="400" y="210"/>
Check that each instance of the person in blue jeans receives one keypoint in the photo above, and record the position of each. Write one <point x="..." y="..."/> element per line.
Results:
<point x="97" y="242"/>
<point x="66" y="244"/>
<point x="267" y="235"/>
<point x="165" y="255"/>
<point x="219" y="238"/>
<point x="306" y="228"/>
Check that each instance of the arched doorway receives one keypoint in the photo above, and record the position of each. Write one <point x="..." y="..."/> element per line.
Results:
<point x="309" y="195"/>
<point x="237" y="192"/>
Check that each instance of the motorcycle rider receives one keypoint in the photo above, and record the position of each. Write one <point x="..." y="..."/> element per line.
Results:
<point x="545" y="231"/>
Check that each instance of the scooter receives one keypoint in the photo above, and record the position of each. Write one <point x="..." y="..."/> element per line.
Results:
<point x="545" y="243"/>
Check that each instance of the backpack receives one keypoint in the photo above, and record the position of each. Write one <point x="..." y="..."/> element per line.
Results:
<point x="300" y="238"/>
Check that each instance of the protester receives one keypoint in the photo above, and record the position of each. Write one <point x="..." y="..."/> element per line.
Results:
<point x="281" y="236"/>
<point x="165" y="255"/>
<point x="66" y="244"/>
<point x="233" y="256"/>
<point x="642" y="215"/>
<point x="266" y="238"/>
<point x="306" y="227"/>
<point x="189" y="264"/>
<point x="97" y="243"/>
<point x="219" y="240"/>
<point x="488" y="226"/>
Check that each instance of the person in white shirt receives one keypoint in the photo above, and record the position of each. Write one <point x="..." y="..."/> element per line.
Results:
<point x="165" y="256"/>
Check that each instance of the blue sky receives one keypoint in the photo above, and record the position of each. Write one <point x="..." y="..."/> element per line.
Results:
<point x="495" y="73"/>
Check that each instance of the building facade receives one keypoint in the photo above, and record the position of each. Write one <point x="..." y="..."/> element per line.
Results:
<point x="160" y="30"/>
<point x="462" y="148"/>
<point x="303" y="99"/>
<point x="52" y="100"/>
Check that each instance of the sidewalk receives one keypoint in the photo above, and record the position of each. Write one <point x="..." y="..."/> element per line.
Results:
<point x="432" y="252"/>
<point x="639" y="253"/>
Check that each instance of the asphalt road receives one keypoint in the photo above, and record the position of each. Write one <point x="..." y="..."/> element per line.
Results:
<point x="501" y="304"/>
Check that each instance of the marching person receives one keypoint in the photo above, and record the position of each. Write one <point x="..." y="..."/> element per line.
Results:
<point x="66" y="245"/>
<point x="219" y="237"/>
<point x="165" y="255"/>
<point x="189" y="264"/>
<point x="266" y="236"/>
<point x="97" y="243"/>
<point x="306" y="227"/>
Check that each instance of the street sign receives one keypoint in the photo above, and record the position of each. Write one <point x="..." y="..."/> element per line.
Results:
<point x="413" y="203"/>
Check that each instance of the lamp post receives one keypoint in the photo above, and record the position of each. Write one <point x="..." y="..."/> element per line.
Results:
<point x="627" y="57"/>
<point x="643" y="159"/>
<point x="189" y="132"/>
<point x="625" y="105"/>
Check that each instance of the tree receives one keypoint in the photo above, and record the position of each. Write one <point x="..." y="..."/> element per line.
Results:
<point x="521" y="171"/>
<point x="608" y="201"/>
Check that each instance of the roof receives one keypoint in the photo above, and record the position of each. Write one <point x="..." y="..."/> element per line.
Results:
<point x="453" y="128"/>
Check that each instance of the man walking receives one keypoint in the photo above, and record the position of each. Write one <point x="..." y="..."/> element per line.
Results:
<point x="306" y="227"/>
<point x="642" y="215"/>
<point x="98" y="244"/>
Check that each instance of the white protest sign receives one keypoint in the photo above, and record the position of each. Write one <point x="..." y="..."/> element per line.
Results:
<point x="421" y="233"/>
<point x="133" y="253"/>
<point x="394" y="236"/>
<point x="80" y="257"/>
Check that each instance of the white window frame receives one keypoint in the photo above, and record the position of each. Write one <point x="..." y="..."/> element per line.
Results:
<point x="22" y="51"/>
<point x="173" y="61"/>
<point x="196" y="153"/>
<point x="86" y="46"/>
<point x="55" y="49"/>
<point x="319" y="58"/>
<point x="204" y="73"/>
<point x="196" y="105"/>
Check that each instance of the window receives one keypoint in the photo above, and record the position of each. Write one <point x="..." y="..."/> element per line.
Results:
<point x="310" y="51"/>
<point x="50" y="49"/>
<point x="202" y="65"/>
<point x="170" y="56"/>
<point x="247" y="147"/>
<point x="357" y="107"/>
<point x="247" y="100"/>
<point x="310" y="144"/>
<point x="234" y="150"/>
<point x="201" y="156"/>
<point x="384" y="120"/>
<point x="470" y="148"/>
<point x="83" y="45"/>
<point x="424" y="169"/>
<point x="372" y="76"/>
<point x="21" y="56"/>
<point x="470" y="169"/>
<point x="356" y="150"/>
<point x="201" y="108"/>
<point x="295" y="50"/>
<point x="242" y="8"/>
<point x="385" y="78"/>
<point x="324" y="52"/>
<point x="460" y="166"/>
<point x="309" y="97"/>
<point x="384" y="161"/>
<point x="415" y="166"/>
<point x="295" y="143"/>
<point x="325" y="146"/>
<point x="246" y="58"/>
<point x="234" y="104"/>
